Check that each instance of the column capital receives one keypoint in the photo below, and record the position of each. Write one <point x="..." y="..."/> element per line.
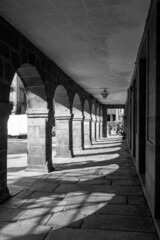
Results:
<point x="77" y="119"/>
<point x="93" y="120"/>
<point x="63" y="117"/>
<point x="38" y="112"/>
<point x="85" y="119"/>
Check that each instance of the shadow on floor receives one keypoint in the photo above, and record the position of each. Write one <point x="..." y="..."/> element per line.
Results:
<point x="91" y="199"/>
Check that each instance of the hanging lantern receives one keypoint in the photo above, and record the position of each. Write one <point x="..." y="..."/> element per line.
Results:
<point x="104" y="93"/>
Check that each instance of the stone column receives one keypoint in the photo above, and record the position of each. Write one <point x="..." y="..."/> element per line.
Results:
<point x="5" y="111"/>
<point x="97" y="130"/>
<point x="63" y="136"/>
<point x="77" y="134"/>
<point x="87" y="132"/>
<point x="93" y="130"/>
<point x="40" y="140"/>
<point x="104" y="121"/>
<point x="100" y="128"/>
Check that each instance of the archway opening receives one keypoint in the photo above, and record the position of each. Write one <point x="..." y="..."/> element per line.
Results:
<point x="62" y="141"/>
<point x="17" y="134"/>
<point x="115" y="121"/>
<point x="77" y="125"/>
<point x="28" y="98"/>
<point x="98" y="124"/>
<point x="87" y="125"/>
<point x="93" y="123"/>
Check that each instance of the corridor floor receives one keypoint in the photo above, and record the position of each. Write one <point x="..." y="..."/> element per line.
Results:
<point x="94" y="196"/>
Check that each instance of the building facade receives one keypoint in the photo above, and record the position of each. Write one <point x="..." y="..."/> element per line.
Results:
<point x="18" y="96"/>
<point x="142" y="111"/>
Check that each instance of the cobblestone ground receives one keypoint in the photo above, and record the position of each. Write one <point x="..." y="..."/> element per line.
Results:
<point x="96" y="195"/>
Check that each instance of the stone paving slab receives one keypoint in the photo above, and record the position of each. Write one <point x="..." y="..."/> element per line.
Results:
<point x="130" y="182"/>
<point x="96" y="196"/>
<point x="136" y="200"/>
<point x="63" y="178"/>
<point x="121" y="223"/>
<point x="50" y="205"/>
<point x="24" y="182"/>
<point x="38" y="216"/>
<point x="85" y="177"/>
<point x="10" y="214"/>
<point x="73" y="198"/>
<point x="119" y="190"/>
<point x="24" y="194"/>
<point x="94" y="181"/>
<point x="43" y="187"/>
<point x="84" y="208"/>
<point x="13" y="203"/>
<point x="45" y="196"/>
<point x="72" y="220"/>
<point x="120" y="177"/>
<point x="129" y="210"/>
<point x="87" y="234"/>
<point x="130" y="172"/>
<point x="14" y="190"/>
<point x="22" y="231"/>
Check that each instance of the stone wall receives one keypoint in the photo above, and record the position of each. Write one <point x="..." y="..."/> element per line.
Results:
<point x="144" y="104"/>
<point x="41" y="78"/>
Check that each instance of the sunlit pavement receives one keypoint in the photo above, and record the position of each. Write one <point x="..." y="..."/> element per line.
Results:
<point x="95" y="195"/>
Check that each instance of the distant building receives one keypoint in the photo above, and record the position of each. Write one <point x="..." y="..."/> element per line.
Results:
<point x="115" y="115"/>
<point x="18" y="96"/>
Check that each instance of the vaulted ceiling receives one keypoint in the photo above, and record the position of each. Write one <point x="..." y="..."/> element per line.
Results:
<point x="94" y="41"/>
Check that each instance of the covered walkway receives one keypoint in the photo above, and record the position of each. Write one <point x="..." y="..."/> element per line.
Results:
<point x="95" y="195"/>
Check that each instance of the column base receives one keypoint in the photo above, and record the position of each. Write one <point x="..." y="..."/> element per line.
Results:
<point x="41" y="169"/>
<point x="77" y="150"/>
<point x="87" y="147"/>
<point x="65" y="155"/>
<point x="4" y="195"/>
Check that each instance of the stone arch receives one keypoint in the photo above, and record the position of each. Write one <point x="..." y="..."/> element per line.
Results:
<point x="63" y="122"/>
<point x="87" y="125"/>
<point x="93" y="111"/>
<point x="35" y="88"/>
<point x="77" y="106"/>
<point x="97" y="123"/>
<point x="39" y="119"/>
<point x="98" y="112"/>
<point x="38" y="157"/>
<point x="93" y="123"/>
<point x="61" y="102"/>
<point x="87" y="111"/>
<point x="77" y="124"/>
<point x="101" y="121"/>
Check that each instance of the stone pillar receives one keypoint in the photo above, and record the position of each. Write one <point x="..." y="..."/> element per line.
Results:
<point x="87" y="132"/>
<point x="100" y="128"/>
<point x="63" y="136"/>
<point x="40" y="140"/>
<point x="104" y="121"/>
<point x="97" y="130"/>
<point x="93" y="130"/>
<point x="5" y="111"/>
<point x="77" y="134"/>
